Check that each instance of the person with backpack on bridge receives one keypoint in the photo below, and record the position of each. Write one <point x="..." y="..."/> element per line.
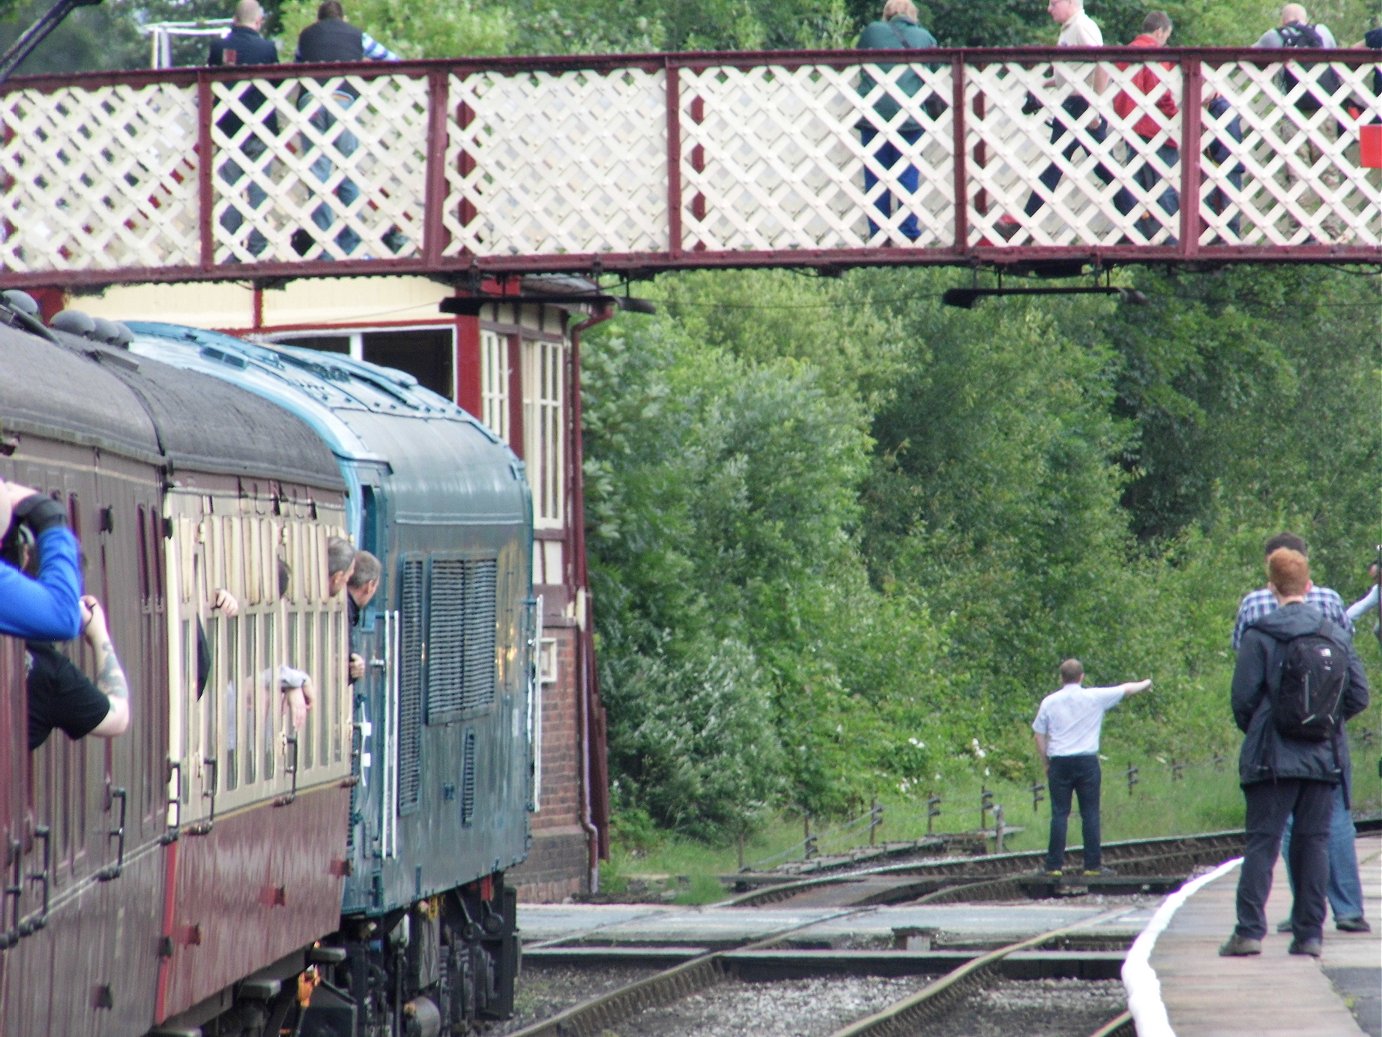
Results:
<point x="1296" y="681"/>
<point x="333" y="39"/>
<point x="1296" y="32"/>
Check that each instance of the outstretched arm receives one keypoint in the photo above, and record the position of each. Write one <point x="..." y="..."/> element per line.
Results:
<point x="1133" y="687"/>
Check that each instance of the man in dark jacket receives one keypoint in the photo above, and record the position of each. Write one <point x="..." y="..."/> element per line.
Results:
<point x="331" y="39"/>
<point x="896" y="30"/>
<point x="244" y="46"/>
<point x="1283" y="776"/>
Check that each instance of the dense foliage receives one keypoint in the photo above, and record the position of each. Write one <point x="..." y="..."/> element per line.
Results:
<point x="872" y="525"/>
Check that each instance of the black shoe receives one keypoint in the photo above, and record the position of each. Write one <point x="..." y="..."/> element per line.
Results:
<point x="1309" y="947"/>
<point x="1284" y="927"/>
<point x="1240" y="947"/>
<point x="1352" y="925"/>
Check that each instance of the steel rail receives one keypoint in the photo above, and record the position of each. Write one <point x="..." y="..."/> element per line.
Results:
<point x="903" y="1016"/>
<point x="597" y="1014"/>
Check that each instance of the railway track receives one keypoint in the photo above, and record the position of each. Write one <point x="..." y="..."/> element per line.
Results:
<point x="937" y="982"/>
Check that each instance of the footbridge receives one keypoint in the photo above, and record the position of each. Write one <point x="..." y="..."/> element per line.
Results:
<point x="637" y="164"/>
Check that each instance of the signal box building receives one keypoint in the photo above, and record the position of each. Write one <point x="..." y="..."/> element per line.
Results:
<point x="510" y="356"/>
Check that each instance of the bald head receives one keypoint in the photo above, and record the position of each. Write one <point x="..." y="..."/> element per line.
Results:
<point x="249" y="14"/>
<point x="1292" y="13"/>
<point x="903" y="8"/>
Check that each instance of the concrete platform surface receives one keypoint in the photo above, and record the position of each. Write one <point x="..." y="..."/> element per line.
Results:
<point x="1178" y="985"/>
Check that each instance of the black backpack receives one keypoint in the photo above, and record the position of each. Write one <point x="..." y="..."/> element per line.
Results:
<point x="1308" y="695"/>
<point x="1326" y="79"/>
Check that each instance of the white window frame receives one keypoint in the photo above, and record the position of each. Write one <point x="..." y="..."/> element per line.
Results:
<point x="544" y="427"/>
<point x="494" y="382"/>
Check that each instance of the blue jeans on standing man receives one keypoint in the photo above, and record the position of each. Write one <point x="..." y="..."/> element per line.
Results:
<point x="345" y="144"/>
<point x="1345" y="888"/>
<point x="1079" y="776"/>
<point x="232" y="172"/>
<point x="887" y="155"/>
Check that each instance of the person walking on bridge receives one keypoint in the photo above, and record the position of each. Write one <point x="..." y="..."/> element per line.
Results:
<point x="1067" y="727"/>
<point x="330" y="39"/>
<point x="1077" y="29"/>
<point x="243" y="45"/>
<point x="897" y="29"/>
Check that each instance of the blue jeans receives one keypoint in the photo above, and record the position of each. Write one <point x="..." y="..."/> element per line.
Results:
<point x="1078" y="776"/>
<point x="886" y="155"/>
<point x="1345" y="887"/>
<point x="1218" y="200"/>
<point x="1148" y="176"/>
<point x="345" y="144"/>
<point x="232" y="172"/>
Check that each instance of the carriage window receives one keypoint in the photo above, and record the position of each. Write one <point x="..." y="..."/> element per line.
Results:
<point x="230" y="680"/>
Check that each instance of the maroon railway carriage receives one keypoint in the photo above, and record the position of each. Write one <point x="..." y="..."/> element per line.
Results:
<point x="147" y="874"/>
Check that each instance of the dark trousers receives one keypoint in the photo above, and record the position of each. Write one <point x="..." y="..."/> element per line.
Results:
<point x="1310" y="805"/>
<point x="1071" y="114"/>
<point x="1077" y="776"/>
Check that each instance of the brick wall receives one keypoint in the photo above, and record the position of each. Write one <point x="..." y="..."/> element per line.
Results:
<point x="558" y="860"/>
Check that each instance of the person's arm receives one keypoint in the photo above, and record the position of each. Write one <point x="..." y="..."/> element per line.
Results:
<point x="1133" y="687"/>
<point x="376" y="51"/>
<point x="46" y="608"/>
<point x="1041" y="751"/>
<point x="110" y="675"/>
<point x="1249" y="685"/>
<point x="299" y="694"/>
<point x="1367" y="602"/>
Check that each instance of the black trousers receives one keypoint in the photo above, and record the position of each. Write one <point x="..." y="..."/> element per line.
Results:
<point x="1310" y="804"/>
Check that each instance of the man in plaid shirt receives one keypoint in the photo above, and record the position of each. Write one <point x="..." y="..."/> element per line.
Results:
<point x="1258" y="603"/>
<point x="1345" y="889"/>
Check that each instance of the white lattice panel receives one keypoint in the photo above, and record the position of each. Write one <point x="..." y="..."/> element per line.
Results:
<point x="99" y="179"/>
<point x="1301" y="178"/>
<point x="773" y="159"/>
<point x="384" y="117"/>
<point x="552" y="163"/>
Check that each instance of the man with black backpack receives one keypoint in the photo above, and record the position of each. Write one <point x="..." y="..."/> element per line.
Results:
<point x="1321" y="81"/>
<point x="1345" y="888"/>
<point x="1295" y="682"/>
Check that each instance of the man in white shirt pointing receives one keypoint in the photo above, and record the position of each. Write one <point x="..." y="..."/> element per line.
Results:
<point x="1067" y="729"/>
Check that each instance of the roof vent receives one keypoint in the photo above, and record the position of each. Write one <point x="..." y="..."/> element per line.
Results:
<point x="74" y="322"/>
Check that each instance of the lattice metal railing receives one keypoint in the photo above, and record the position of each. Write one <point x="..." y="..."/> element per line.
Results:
<point x="684" y="160"/>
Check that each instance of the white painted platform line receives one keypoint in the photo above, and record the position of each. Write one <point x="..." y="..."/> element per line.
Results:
<point x="1139" y="978"/>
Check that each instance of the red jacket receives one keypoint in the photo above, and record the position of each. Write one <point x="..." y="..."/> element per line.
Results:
<point x="1148" y="82"/>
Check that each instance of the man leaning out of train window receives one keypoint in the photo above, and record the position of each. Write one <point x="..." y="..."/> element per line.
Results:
<point x="60" y="694"/>
<point x="46" y="604"/>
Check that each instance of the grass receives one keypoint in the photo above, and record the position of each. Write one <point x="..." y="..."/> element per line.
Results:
<point x="1202" y="797"/>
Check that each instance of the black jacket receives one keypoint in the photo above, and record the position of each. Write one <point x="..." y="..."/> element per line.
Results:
<point x="331" y="39"/>
<point x="249" y="48"/>
<point x="1266" y="754"/>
